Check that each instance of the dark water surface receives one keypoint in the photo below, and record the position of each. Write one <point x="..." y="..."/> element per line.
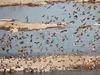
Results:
<point x="58" y="73"/>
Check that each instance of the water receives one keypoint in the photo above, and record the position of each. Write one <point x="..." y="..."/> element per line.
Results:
<point x="59" y="73"/>
<point x="73" y="14"/>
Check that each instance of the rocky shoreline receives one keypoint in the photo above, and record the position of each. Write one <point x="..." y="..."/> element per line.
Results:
<point x="49" y="63"/>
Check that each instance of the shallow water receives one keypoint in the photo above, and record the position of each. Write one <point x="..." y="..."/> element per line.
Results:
<point x="73" y="14"/>
<point x="58" y="73"/>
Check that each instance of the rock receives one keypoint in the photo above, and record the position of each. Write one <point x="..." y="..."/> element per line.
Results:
<point x="19" y="69"/>
<point x="1" y="70"/>
<point x="28" y="70"/>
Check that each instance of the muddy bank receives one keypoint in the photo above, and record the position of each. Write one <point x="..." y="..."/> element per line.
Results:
<point x="89" y="1"/>
<point x="15" y="26"/>
<point x="4" y="3"/>
<point x="49" y="63"/>
<point x="27" y="2"/>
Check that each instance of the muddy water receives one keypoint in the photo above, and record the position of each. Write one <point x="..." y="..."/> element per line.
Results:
<point x="59" y="73"/>
<point x="53" y="40"/>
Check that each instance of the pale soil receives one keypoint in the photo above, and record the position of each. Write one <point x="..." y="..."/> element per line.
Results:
<point x="48" y="63"/>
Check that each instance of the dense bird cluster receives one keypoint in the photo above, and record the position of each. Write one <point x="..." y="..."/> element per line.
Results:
<point x="79" y="34"/>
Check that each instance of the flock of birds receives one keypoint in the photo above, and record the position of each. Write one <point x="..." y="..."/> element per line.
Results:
<point x="79" y="34"/>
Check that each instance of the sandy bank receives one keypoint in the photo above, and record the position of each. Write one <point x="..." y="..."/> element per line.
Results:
<point x="49" y="63"/>
<point x="36" y="2"/>
<point x="16" y="26"/>
<point x="27" y="2"/>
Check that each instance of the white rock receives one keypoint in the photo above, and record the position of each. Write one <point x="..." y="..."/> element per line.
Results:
<point x="19" y="69"/>
<point x="1" y="70"/>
